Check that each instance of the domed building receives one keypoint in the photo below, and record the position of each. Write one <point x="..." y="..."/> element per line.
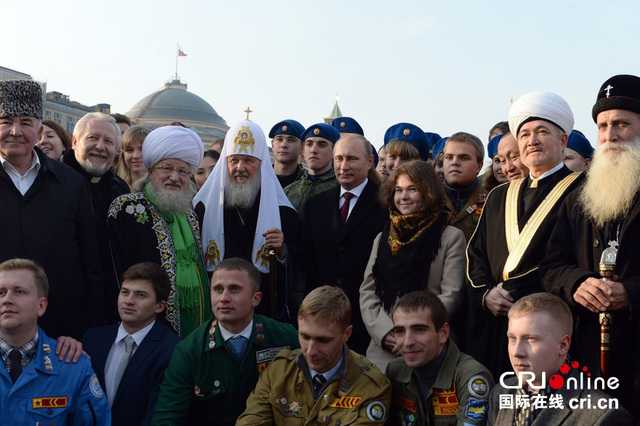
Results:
<point x="175" y="103"/>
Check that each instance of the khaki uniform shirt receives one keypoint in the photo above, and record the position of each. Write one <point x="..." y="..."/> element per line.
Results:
<point x="358" y="394"/>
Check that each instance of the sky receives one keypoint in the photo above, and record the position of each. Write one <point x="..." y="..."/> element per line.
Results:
<point x="445" y="66"/>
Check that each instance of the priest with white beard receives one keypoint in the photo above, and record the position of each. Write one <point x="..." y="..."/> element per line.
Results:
<point x="245" y="213"/>
<point x="603" y="213"/>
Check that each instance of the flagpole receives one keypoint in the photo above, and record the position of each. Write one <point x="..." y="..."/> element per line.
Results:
<point x="177" y="54"/>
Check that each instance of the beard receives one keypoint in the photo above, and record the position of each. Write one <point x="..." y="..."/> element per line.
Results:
<point x="241" y="195"/>
<point x="171" y="201"/>
<point x="96" y="170"/>
<point x="612" y="182"/>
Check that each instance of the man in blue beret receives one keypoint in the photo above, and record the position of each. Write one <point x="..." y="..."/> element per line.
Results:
<point x="286" y="143"/>
<point x="318" y="153"/>
<point x="578" y="153"/>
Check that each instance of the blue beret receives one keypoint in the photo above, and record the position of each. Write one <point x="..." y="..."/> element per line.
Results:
<point x="321" y="130"/>
<point x="432" y="138"/>
<point x="492" y="148"/>
<point x="374" y="151"/>
<point x="347" y="125"/>
<point x="439" y="147"/>
<point x="410" y="133"/>
<point x="580" y="144"/>
<point x="287" y="127"/>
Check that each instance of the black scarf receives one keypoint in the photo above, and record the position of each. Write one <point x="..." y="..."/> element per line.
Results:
<point x="407" y="270"/>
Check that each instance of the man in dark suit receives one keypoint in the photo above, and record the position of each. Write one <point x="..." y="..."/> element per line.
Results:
<point x="130" y="358"/>
<point x="340" y="226"/>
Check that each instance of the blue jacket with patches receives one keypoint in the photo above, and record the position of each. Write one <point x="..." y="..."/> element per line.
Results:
<point x="64" y="394"/>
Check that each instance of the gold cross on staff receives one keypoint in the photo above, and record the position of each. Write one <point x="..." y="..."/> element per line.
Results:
<point x="248" y="111"/>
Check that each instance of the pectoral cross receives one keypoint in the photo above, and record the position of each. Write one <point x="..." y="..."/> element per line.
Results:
<point x="608" y="89"/>
<point x="248" y="111"/>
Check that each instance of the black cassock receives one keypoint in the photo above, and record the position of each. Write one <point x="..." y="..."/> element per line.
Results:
<point x="487" y="253"/>
<point x="573" y="255"/>
<point x="239" y="231"/>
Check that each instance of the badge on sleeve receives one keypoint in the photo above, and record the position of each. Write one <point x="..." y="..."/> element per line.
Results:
<point x="376" y="411"/>
<point x="478" y="387"/>
<point x="94" y="386"/>
<point x="476" y="409"/>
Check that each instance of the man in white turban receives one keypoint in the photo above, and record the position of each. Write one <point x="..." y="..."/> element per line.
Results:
<point x="509" y="242"/>
<point x="157" y="224"/>
<point x="245" y="213"/>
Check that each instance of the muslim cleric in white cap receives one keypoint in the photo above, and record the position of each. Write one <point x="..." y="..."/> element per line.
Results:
<point x="510" y="240"/>
<point x="245" y="213"/>
<point x="157" y="224"/>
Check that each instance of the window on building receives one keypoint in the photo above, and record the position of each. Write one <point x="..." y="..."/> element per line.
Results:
<point x="47" y="115"/>
<point x="57" y="117"/>
<point x="71" y="122"/>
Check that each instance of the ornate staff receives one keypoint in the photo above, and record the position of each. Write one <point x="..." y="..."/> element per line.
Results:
<point x="607" y="268"/>
<point x="272" y="280"/>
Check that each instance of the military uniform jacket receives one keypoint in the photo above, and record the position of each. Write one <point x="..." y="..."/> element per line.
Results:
<point x="52" y="392"/>
<point x="304" y="188"/>
<point x="467" y="218"/>
<point x="487" y="254"/>
<point x="459" y="394"/>
<point x="205" y="385"/>
<point x="284" y="395"/>
<point x="573" y="255"/>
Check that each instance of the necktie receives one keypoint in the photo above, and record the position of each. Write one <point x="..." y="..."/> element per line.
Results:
<point x="318" y="382"/>
<point x="238" y="343"/>
<point x="129" y="344"/>
<point x="15" y="365"/>
<point x="344" y="210"/>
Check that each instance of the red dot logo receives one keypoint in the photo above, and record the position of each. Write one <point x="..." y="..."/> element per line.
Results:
<point x="564" y="368"/>
<point x="556" y="381"/>
<point x="575" y="364"/>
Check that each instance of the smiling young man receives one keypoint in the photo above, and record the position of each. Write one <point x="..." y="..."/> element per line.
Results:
<point x="286" y="144"/>
<point x="96" y="138"/>
<point x="36" y="386"/>
<point x="130" y="358"/>
<point x="539" y="333"/>
<point x="157" y="224"/>
<point x="215" y="368"/>
<point x="510" y="240"/>
<point x="324" y="382"/>
<point x="317" y="150"/>
<point x="433" y="383"/>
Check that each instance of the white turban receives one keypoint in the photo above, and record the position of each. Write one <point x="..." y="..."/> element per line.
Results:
<point x="172" y="142"/>
<point x="547" y="106"/>
<point x="244" y="138"/>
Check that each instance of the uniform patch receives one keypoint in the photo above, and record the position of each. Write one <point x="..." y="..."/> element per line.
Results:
<point x="376" y="411"/>
<point x="406" y="403"/>
<point x="346" y="402"/>
<point x="476" y="409"/>
<point x="94" y="387"/>
<point x="53" y="402"/>
<point x="478" y="387"/>
<point x="264" y="357"/>
<point x="445" y="402"/>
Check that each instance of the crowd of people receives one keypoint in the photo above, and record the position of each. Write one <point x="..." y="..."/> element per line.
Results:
<point x="324" y="281"/>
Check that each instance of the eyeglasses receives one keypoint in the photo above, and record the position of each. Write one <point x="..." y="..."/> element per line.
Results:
<point x="169" y="170"/>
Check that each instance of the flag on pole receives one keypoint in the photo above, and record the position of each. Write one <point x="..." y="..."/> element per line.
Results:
<point x="180" y="52"/>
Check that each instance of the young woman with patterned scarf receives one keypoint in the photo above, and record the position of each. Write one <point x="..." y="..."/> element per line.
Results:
<point x="417" y="250"/>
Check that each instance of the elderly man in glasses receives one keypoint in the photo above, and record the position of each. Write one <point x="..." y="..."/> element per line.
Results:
<point x="157" y="224"/>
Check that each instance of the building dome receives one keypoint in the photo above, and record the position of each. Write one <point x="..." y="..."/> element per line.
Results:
<point x="175" y="103"/>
